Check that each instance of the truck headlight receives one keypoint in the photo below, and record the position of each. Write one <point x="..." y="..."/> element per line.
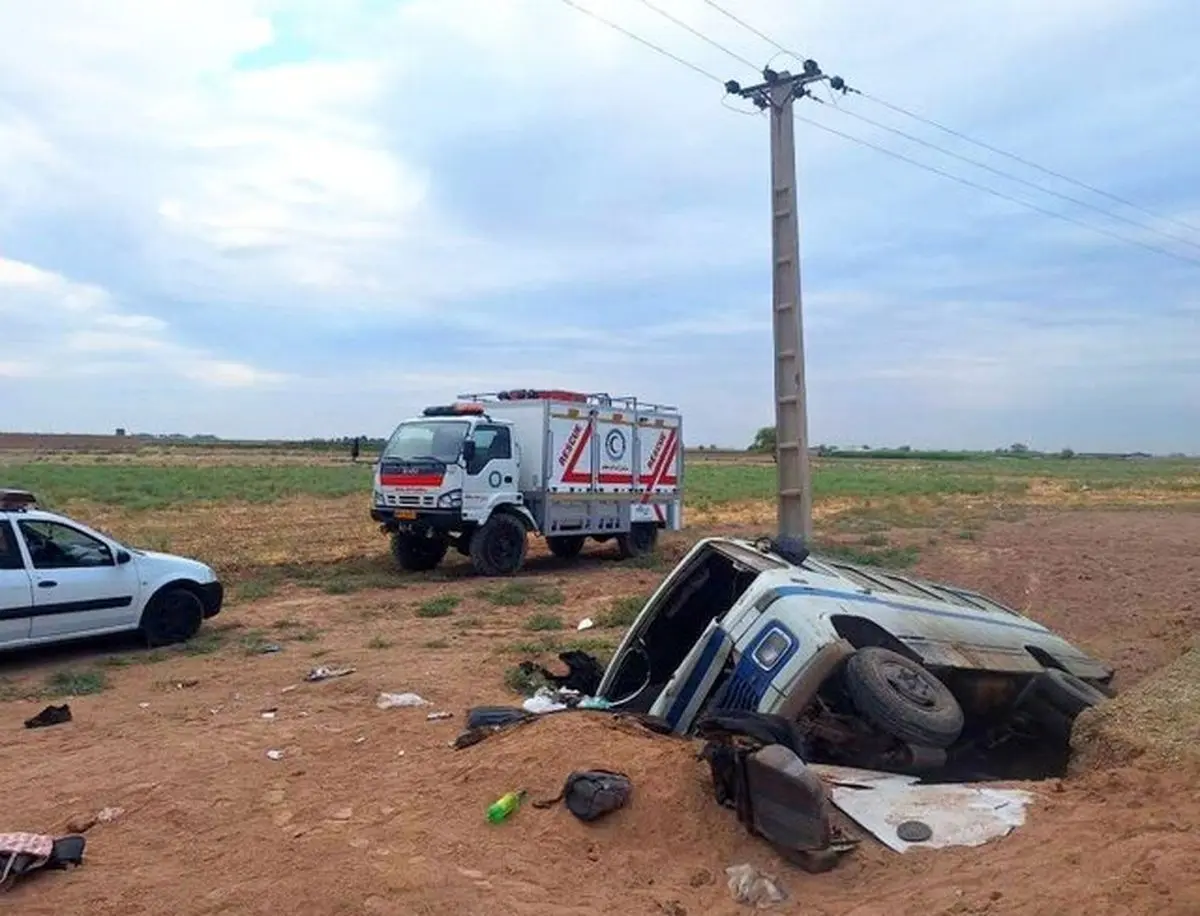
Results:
<point x="378" y="497"/>
<point x="451" y="500"/>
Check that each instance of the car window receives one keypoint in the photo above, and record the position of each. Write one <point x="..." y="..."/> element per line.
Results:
<point x="10" y="553"/>
<point x="53" y="545"/>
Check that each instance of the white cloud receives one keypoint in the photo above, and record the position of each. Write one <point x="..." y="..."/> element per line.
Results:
<point x="63" y="328"/>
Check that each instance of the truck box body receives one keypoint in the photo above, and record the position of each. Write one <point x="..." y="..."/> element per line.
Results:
<point x="574" y="454"/>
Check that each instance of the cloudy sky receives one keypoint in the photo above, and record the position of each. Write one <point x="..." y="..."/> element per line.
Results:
<point x="301" y="217"/>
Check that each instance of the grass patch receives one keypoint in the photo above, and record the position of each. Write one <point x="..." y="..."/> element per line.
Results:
<point x="875" y="539"/>
<point x="256" y="642"/>
<point x="622" y="611"/>
<point x="205" y="642"/>
<point x="887" y="557"/>
<point x="468" y="623"/>
<point x="143" y="487"/>
<point x="75" y="682"/>
<point x="256" y="589"/>
<point x="543" y="646"/>
<point x="510" y="594"/>
<point x="438" y="606"/>
<point x="378" y="642"/>
<point x="435" y="644"/>
<point x="116" y="661"/>
<point x="544" y="622"/>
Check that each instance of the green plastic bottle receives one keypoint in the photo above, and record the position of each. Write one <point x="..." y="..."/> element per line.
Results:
<point x="504" y="806"/>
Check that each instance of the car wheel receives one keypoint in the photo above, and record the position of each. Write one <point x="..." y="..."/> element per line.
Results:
<point x="639" y="541"/>
<point x="414" y="553"/>
<point x="565" y="547"/>
<point x="498" y="548"/>
<point x="902" y="698"/>
<point x="174" y="615"/>
<point x="1066" y="692"/>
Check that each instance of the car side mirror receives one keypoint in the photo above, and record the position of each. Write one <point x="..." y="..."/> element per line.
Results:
<point x="123" y="557"/>
<point x="469" y="451"/>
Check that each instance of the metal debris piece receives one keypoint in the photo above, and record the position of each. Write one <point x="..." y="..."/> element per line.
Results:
<point x="324" y="673"/>
<point x="956" y="814"/>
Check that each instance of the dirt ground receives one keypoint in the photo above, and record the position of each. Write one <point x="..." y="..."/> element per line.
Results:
<point x="370" y="812"/>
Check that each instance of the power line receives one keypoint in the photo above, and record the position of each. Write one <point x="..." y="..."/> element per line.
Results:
<point x="683" y="25"/>
<point x="962" y="136"/>
<point x="1023" y="161"/>
<point x="1016" y="178"/>
<point x="988" y="190"/>
<point x="745" y="25"/>
<point x="640" y="40"/>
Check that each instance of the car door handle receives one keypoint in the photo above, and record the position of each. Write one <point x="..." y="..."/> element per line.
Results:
<point x="508" y="480"/>
<point x="47" y="583"/>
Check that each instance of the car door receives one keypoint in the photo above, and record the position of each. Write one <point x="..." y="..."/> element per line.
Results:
<point x="493" y="469"/>
<point x="78" y="585"/>
<point x="16" y="589"/>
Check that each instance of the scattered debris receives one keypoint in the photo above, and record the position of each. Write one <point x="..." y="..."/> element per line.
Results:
<point x="275" y="755"/>
<point x="591" y="794"/>
<point x="81" y="824"/>
<point x="270" y="648"/>
<point x="51" y="715"/>
<point x="750" y="886"/>
<point x="546" y="700"/>
<point x="290" y="687"/>
<point x="268" y="713"/>
<point x="24" y="853"/>
<point x="143" y="705"/>
<point x="325" y="672"/>
<point x="957" y="814"/>
<point x="434" y="716"/>
<point x="586" y="624"/>
<point x="108" y="815"/>
<point x="391" y="700"/>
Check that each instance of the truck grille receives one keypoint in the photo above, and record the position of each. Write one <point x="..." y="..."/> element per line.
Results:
<point x="392" y="499"/>
<point x="742" y="693"/>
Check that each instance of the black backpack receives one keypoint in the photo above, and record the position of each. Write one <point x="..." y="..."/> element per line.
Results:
<point x="591" y="794"/>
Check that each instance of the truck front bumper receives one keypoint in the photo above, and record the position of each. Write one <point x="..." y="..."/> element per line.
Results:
<point x="440" y="520"/>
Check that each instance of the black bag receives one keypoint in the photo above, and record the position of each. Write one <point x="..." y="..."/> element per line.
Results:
<point x="591" y="794"/>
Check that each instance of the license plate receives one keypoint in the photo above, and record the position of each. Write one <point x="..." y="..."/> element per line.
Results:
<point x="406" y="514"/>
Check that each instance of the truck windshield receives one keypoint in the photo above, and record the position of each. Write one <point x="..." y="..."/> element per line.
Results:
<point x="437" y="441"/>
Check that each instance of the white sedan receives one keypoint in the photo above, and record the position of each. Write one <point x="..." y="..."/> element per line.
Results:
<point x="61" y="580"/>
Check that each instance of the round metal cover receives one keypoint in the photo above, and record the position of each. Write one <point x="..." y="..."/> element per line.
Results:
<point x="914" y="831"/>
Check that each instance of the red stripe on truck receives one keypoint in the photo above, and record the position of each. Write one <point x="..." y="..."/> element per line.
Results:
<point x="411" y="480"/>
<point x="664" y="459"/>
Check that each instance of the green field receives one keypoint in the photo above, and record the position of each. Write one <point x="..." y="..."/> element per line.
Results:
<point x="707" y="483"/>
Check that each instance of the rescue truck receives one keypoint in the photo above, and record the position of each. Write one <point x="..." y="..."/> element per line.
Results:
<point x="483" y="473"/>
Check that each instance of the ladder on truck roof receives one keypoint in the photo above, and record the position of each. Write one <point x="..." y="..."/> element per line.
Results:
<point x="596" y="399"/>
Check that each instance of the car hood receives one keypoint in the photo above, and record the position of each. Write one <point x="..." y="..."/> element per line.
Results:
<point x="153" y="563"/>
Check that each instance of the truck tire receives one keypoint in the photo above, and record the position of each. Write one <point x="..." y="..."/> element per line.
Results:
<point x="640" y="540"/>
<point x="566" y="547"/>
<point x="173" y="616"/>
<point x="415" y="553"/>
<point x="498" y="547"/>
<point x="902" y="698"/>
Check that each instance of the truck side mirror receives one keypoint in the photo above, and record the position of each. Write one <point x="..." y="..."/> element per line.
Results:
<point x="469" y="451"/>
<point x="123" y="557"/>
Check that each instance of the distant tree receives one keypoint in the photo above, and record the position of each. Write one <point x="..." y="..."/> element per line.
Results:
<point x="904" y="448"/>
<point x="1067" y="453"/>
<point x="764" y="440"/>
<point x="866" y="448"/>
<point x="825" y="451"/>
<point x="1019" y="448"/>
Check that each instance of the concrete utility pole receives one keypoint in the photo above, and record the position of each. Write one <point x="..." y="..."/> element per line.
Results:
<point x="777" y="94"/>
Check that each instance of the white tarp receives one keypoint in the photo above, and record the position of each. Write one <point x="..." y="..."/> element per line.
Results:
<point x="959" y="814"/>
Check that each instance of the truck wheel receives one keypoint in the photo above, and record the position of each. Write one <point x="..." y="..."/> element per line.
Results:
<point x="903" y="699"/>
<point x="498" y="547"/>
<point x="566" y="547"/>
<point x="173" y="616"/>
<point x="639" y="541"/>
<point x="414" y="553"/>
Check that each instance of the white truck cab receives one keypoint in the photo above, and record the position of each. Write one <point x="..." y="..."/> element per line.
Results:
<point x="483" y="473"/>
<point x="871" y="665"/>
<point x="60" y="580"/>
